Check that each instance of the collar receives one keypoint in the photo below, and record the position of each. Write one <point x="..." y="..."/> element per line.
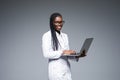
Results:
<point x="58" y="33"/>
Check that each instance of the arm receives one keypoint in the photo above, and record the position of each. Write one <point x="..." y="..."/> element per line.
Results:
<point x="48" y="51"/>
<point x="83" y="54"/>
<point x="70" y="57"/>
<point x="76" y="58"/>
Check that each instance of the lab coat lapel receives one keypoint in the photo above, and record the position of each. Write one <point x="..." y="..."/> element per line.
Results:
<point x="61" y="40"/>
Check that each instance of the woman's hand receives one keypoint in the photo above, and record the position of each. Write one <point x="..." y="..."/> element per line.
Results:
<point x="83" y="54"/>
<point x="68" y="52"/>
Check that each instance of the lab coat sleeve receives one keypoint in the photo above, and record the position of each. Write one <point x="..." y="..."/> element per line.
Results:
<point x="48" y="51"/>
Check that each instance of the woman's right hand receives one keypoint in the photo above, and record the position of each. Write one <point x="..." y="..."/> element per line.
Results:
<point x="68" y="52"/>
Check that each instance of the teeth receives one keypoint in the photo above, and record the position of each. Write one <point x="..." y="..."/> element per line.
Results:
<point x="59" y="27"/>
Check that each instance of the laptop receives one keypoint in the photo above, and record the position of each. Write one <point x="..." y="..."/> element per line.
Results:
<point x="86" y="46"/>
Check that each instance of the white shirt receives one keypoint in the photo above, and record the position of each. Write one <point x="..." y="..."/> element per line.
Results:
<point x="58" y="65"/>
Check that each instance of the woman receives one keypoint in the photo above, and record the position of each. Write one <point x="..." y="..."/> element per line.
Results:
<point x="55" y="47"/>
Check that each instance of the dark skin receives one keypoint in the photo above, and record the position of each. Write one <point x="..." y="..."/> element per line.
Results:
<point x="58" y="23"/>
<point x="83" y="54"/>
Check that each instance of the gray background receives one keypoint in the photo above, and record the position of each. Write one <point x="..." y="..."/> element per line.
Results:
<point x="23" y="22"/>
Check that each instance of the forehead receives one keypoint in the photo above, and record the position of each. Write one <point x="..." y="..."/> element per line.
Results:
<point x="58" y="18"/>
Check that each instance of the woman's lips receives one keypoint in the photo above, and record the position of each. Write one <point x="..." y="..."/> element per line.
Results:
<point x="59" y="27"/>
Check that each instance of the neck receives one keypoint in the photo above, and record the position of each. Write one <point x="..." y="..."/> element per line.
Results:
<point x="57" y="31"/>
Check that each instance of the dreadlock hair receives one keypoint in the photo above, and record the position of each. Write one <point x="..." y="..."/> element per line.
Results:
<point x="52" y="28"/>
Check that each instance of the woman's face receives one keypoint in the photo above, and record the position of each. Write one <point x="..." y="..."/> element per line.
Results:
<point x="58" y="23"/>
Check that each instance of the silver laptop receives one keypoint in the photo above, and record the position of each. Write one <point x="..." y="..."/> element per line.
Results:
<point x="86" y="46"/>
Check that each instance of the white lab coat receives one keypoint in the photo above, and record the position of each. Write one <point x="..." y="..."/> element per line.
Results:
<point x="58" y="65"/>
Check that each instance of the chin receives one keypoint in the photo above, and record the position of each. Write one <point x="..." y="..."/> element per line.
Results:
<point x="59" y="30"/>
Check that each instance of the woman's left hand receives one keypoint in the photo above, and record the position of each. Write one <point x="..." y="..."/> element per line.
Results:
<point x="83" y="54"/>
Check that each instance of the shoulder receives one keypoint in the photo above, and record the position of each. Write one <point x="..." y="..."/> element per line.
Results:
<point x="46" y="34"/>
<point x="64" y="34"/>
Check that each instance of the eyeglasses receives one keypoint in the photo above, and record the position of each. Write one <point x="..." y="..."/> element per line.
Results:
<point x="59" y="22"/>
